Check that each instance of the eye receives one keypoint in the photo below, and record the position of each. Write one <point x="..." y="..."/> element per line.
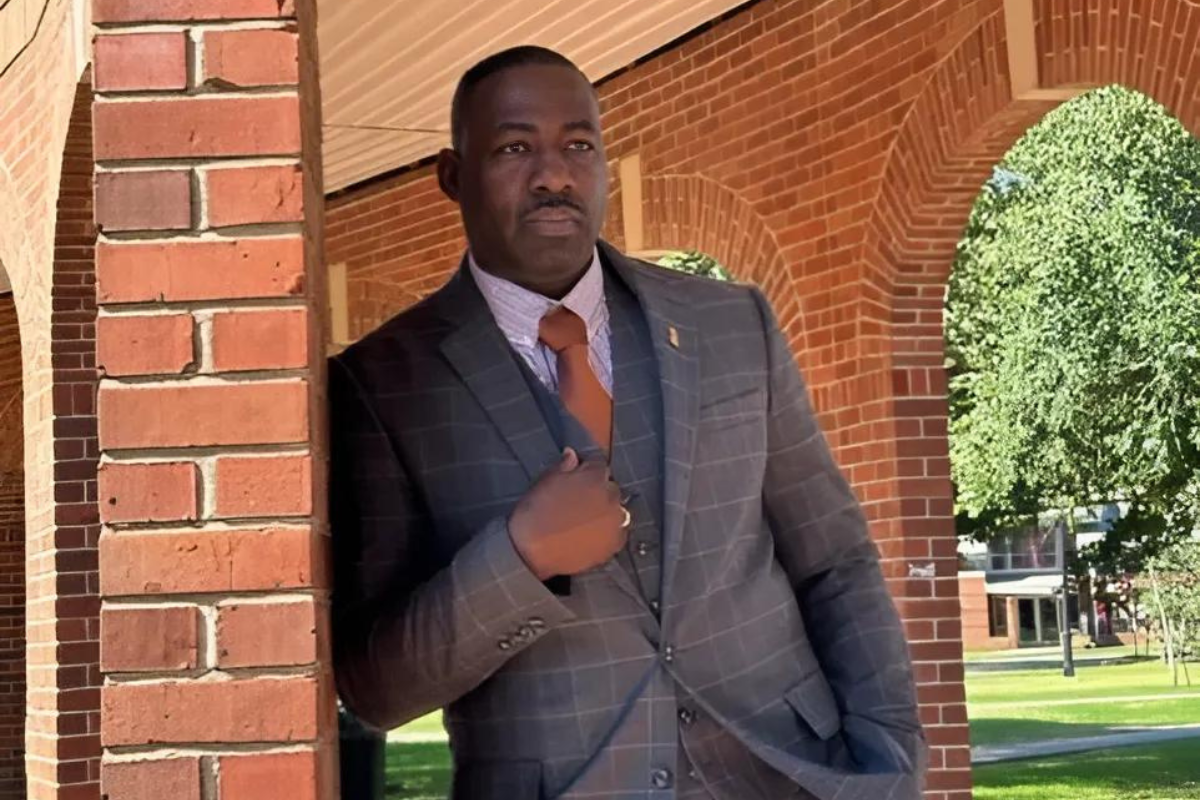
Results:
<point x="514" y="147"/>
<point x="581" y="145"/>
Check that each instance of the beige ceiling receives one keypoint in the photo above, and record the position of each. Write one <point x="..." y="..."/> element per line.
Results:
<point x="388" y="68"/>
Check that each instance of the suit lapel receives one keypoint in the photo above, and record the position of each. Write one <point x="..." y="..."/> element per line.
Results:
<point x="673" y="331"/>
<point x="481" y="356"/>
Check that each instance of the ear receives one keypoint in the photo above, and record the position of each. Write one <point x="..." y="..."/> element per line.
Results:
<point x="449" y="166"/>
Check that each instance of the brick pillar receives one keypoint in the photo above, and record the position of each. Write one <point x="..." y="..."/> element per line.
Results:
<point x="211" y="410"/>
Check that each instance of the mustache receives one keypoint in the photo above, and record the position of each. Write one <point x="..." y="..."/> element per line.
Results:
<point x="555" y="201"/>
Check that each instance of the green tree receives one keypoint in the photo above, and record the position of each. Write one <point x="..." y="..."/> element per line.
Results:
<point x="1073" y="328"/>
<point x="1174" y="588"/>
<point x="694" y="262"/>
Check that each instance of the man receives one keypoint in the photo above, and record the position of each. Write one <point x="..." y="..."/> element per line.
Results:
<point x="583" y="504"/>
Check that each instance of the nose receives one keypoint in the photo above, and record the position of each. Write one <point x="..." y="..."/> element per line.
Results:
<point x="551" y="173"/>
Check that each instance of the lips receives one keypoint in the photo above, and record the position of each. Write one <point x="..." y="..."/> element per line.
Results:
<point x="553" y="215"/>
<point x="554" y="221"/>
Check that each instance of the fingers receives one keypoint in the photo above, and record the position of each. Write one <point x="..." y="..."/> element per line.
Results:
<point x="570" y="460"/>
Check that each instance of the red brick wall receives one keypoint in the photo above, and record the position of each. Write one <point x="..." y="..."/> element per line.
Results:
<point x="37" y="99"/>
<point x="211" y="415"/>
<point x="972" y="593"/>
<point x="12" y="560"/>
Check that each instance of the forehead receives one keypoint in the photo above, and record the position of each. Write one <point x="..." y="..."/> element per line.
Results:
<point x="534" y="93"/>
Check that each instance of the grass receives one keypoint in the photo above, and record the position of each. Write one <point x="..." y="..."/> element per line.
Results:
<point x="1153" y="772"/>
<point x="1007" y="707"/>
<point x="417" y="771"/>
<point x="1002" y="726"/>
<point x="1148" y="677"/>
<point x="427" y="728"/>
<point x="1052" y="653"/>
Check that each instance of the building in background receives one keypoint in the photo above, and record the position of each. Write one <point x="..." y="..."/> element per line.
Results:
<point x="1011" y="586"/>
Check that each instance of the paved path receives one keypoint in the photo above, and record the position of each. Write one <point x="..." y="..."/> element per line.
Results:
<point x="992" y="753"/>
<point x="1081" y="701"/>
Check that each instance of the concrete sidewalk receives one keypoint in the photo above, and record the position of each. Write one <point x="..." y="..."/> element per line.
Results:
<point x="1126" y="737"/>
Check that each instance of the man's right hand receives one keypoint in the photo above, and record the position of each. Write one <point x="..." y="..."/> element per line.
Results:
<point x="571" y="520"/>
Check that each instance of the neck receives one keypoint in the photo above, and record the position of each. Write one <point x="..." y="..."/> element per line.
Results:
<point x="555" y="287"/>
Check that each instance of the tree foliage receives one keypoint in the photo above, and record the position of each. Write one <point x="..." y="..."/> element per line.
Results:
<point x="1175" y="593"/>
<point x="694" y="262"/>
<point x="1073" y="325"/>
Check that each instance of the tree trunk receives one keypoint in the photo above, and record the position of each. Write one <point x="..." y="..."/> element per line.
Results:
<point x="1168" y="641"/>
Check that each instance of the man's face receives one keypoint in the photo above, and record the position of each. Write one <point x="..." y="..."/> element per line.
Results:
<point x="530" y="178"/>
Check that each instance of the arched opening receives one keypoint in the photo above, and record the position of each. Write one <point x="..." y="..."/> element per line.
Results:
<point x="985" y="93"/>
<point x="1062" y="322"/>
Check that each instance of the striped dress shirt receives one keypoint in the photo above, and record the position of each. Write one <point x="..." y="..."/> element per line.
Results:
<point x="518" y="312"/>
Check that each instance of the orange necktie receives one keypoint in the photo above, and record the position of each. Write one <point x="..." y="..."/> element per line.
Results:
<point x="564" y="332"/>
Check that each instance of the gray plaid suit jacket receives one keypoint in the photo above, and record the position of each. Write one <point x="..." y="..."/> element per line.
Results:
<point x="774" y="613"/>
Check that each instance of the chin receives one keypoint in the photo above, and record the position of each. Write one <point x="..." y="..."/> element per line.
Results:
<point x="558" y="257"/>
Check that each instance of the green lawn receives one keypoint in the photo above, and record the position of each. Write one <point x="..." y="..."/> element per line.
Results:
<point x="426" y="728"/>
<point x="418" y="771"/>
<point x="1009" y="707"/>
<point x="1153" y="772"/>
<point x="1140" y="678"/>
<point x="1052" y="653"/>
<point x="1053" y="722"/>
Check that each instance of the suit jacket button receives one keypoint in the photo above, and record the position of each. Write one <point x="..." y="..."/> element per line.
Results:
<point x="661" y="778"/>
<point x="504" y="644"/>
<point x="668" y="654"/>
<point x="686" y="716"/>
<point x="655" y="606"/>
<point x="537" y="623"/>
<point x="524" y="632"/>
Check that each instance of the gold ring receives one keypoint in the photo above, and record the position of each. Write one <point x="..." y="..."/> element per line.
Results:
<point x="628" y="517"/>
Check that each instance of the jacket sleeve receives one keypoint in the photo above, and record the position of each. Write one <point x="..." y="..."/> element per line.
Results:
<point x="409" y="638"/>
<point x="822" y="542"/>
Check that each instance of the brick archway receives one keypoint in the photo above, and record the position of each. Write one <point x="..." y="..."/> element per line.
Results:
<point x="74" y="380"/>
<point x="981" y="98"/>
<point x="708" y="216"/>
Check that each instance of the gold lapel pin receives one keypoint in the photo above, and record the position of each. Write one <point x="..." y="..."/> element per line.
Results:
<point x="673" y="336"/>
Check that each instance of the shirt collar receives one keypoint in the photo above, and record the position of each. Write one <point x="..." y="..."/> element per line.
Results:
<point x="518" y="311"/>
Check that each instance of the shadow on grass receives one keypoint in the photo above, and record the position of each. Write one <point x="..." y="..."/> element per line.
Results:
<point x="418" y="771"/>
<point x="1169" y="771"/>
<point x="1009" y="730"/>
